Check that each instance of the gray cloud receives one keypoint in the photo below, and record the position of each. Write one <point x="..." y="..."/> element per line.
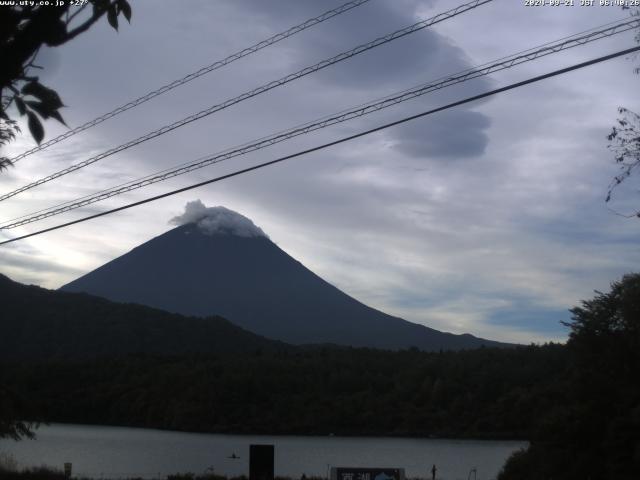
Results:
<point x="454" y="134"/>
<point x="420" y="57"/>
<point x="447" y="243"/>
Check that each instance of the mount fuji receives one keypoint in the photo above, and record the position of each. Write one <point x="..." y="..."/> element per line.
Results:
<point x="217" y="262"/>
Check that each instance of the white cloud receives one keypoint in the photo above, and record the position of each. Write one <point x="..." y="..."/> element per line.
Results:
<point x="217" y="220"/>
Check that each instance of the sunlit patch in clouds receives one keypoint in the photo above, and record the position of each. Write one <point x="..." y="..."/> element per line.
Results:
<point x="31" y="265"/>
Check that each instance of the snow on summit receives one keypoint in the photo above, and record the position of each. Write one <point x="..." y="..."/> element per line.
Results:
<point x="217" y="220"/>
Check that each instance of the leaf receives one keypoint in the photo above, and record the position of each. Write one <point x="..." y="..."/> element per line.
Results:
<point x="112" y="16"/>
<point x="33" y="88"/>
<point x="125" y="8"/>
<point x="20" y="105"/>
<point x="35" y="127"/>
<point x="5" y="163"/>
<point x="58" y="117"/>
<point x="99" y="6"/>
<point x="39" y="108"/>
<point x="48" y="96"/>
<point x="45" y="112"/>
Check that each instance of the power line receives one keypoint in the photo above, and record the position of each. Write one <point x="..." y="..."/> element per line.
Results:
<point x="506" y="62"/>
<point x="345" y="115"/>
<point x="192" y="76"/>
<point x="335" y="142"/>
<point x="257" y="91"/>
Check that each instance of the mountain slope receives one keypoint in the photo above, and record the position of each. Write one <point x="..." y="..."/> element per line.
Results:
<point x="41" y="324"/>
<point x="211" y="267"/>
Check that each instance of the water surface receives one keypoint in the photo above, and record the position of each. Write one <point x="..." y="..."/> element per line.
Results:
<point x="116" y="452"/>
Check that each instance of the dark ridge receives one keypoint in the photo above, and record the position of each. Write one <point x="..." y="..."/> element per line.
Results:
<point x="42" y="324"/>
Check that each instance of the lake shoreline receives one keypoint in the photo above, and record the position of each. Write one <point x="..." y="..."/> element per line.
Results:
<point x="123" y="452"/>
<point x="284" y="433"/>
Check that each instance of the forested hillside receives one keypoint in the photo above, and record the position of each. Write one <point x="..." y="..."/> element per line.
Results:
<point x="36" y="323"/>
<point x="578" y="404"/>
<point x="490" y="393"/>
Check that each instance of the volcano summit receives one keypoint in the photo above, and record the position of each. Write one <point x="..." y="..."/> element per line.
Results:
<point x="217" y="262"/>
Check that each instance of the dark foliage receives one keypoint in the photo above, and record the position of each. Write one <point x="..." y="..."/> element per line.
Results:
<point x="71" y="357"/>
<point x="624" y="139"/>
<point x="24" y="29"/>
<point x="46" y="473"/>
<point x="485" y="393"/>
<point x="579" y="405"/>
<point x="12" y="402"/>
<point x="42" y="473"/>
<point x="42" y="324"/>
<point x="594" y="429"/>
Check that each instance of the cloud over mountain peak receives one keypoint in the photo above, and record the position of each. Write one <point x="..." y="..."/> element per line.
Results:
<point x="217" y="220"/>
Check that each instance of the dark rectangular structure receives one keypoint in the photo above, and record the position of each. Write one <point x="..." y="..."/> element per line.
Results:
<point x="261" y="460"/>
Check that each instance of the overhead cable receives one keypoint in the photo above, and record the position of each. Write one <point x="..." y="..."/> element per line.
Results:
<point x="343" y="116"/>
<point x="192" y="76"/>
<point x="335" y="142"/>
<point x="257" y="91"/>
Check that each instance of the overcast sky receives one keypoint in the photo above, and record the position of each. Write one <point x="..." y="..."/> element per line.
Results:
<point x="488" y="219"/>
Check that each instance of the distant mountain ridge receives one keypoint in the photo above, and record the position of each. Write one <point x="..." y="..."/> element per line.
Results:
<point x="222" y="264"/>
<point x="40" y="324"/>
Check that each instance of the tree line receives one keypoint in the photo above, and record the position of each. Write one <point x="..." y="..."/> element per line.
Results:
<point x="485" y="393"/>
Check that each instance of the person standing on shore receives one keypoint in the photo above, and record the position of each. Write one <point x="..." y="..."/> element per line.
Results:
<point x="433" y="472"/>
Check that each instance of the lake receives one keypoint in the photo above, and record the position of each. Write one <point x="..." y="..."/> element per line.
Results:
<point x="115" y="452"/>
